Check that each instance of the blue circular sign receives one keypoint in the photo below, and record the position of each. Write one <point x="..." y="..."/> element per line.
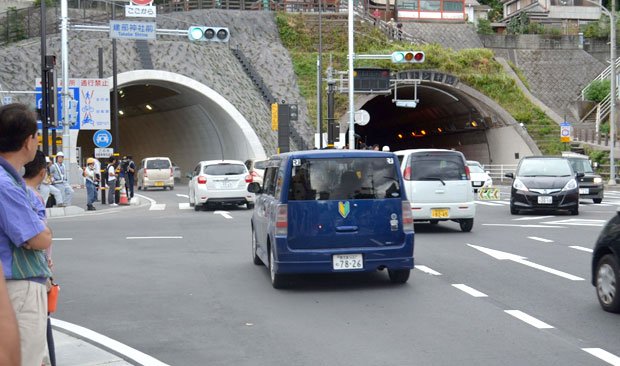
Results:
<point x="102" y="138"/>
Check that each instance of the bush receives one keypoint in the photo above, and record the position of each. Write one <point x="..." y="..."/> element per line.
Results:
<point x="598" y="90"/>
<point x="484" y="26"/>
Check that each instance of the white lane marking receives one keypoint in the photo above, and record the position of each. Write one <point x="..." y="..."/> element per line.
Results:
<point x="529" y="319"/>
<point x="533" y="218"/>
<point x="62" y="239"/>
<point x="578" y="222"/>
<point x="497" y="254"/>
<point x="503" y="202"/>
<point x="157" y="207"/>
<point x="425" y="269"/>
<point x="146" y="198"/>
<point x="182" y="195"/>
<point x="107" y="343"/>
<point x="225" y="214"/>
<point x="472" y="291"/>
<point x="153" y="237"/>
<point x="487" y="203"/>
<point x="581" y="248"/>
<point x="184" y="206"/>
<point x="526" y="226"/>
<point x="540" y="239"/>
<point x="610" y="358"/>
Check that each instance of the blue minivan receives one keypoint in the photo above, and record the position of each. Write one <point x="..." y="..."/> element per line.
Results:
<point x="330" y="211"/>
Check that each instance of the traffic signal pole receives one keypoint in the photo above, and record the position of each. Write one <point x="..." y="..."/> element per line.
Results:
<point x="44" y="125"/>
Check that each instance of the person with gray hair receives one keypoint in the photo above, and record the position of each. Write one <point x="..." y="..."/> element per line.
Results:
<point x="60" y="179"/>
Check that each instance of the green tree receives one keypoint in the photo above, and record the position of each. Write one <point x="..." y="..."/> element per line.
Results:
<point x="598" y="90"/>
<point x="484" y="26"/>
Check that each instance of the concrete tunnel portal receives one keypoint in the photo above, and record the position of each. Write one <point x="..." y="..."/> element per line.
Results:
<point x="167" y="114"/>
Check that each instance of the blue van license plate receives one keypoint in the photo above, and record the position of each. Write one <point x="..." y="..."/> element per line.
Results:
<point x="347" y="261"/>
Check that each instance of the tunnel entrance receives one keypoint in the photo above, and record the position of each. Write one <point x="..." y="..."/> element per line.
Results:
<point x="167" y="114"/>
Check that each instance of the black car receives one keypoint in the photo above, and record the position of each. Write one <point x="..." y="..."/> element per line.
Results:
<point x="591" y="184"/>
<point x="544" y="183"/>
<point x="606" y="266"/>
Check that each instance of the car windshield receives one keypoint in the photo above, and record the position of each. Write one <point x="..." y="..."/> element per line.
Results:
<point x="260" y="164"/>
<point x="475" y="169"/>
<point x="581" y="165"/>
<point x="344" y="178"/>
<point x="224" y="169"/>
<point x="157" y="164"/>
<point x="544" y="168"/>
<point x="437" y="166"/>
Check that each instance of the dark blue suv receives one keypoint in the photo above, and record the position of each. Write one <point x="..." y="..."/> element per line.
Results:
<point x="328" y="211"/>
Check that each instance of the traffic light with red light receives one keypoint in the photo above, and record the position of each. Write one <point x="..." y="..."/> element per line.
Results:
<point x="208" y="34"/>
<point x="408" y="57"/>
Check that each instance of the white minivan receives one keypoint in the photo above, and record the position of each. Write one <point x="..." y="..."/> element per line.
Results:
<point x="438" y="185"/>
<point x="156" y="172"/>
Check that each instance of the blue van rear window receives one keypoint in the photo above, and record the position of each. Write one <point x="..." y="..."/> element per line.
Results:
<point x="344" y="178"/>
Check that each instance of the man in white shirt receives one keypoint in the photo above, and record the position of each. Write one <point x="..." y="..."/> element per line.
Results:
<point x="58" y="171"/>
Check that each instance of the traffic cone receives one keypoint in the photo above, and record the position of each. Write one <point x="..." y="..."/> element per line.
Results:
<point x="123" y="199"/>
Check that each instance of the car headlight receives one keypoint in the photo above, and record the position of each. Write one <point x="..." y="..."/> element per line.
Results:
<point x="598" y="180"/>
<point x="518" y="185"/>
<point x="571" y="184"/>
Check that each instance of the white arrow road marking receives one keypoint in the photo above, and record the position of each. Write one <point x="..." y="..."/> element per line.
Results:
<point x="610" y="358"/>
<point x="472" y="291"/>
<point x="522" y="260"/>
<point x="182" y="195"/>
<point x="529" y="319"/>
<point x="526" y="226"/>
<point x="62" y="239"/>
<point x="533" y="218"/>
<point x="109" y="343"/>
<point x="540" y="239"/>
<point x="578" y="222"/>
<point x="581" y="248"/>
<point x="184" y="206"/>
<point x="153" y="237"/>
<point x="225" y="214"/>
<point x="154" y="205"/>
<point x="425" y="269"/>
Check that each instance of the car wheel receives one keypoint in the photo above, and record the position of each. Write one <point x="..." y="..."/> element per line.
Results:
<point x="466" y="225"/>
<point x="277" y="280"/>
<point x="607" y="275"/>
<point x="249" y="205"/>
<point x="575" y="211"/>
<point x="197" y="207"/>
<point x="171" y="188"/>
<point x="399" y="275"/>
<point x="255" y="258"/>
<point x="144" y="188"/>
<point x="597" y="200"/>
<point x="139" y="186"/>
<point x="513" y="210"/>
<point x="192" y="203"/>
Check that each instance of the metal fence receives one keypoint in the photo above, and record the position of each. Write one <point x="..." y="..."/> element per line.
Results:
<point x="498" y="171"/>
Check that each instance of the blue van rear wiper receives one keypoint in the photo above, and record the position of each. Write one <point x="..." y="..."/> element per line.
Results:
<point x="434" y="178"/>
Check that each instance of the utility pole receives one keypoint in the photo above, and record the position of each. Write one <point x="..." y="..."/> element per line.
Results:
<point x="117" y="137"/>
<point x="331" y="90"/>
<point x="44" y="97"/>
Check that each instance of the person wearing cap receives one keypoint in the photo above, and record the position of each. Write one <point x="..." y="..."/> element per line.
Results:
<point x="46" y="186"/>
<point x="58" y="171"/>
<point x="385" y="148"/>
<point x="90" y="181"/>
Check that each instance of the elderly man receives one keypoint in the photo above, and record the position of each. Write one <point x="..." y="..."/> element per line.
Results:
<point x="23" y="237"/>
<point x="58" y="171"/>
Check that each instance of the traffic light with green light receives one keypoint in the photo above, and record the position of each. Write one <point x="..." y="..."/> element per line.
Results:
<point x="208" y="34"/>
<point x="408" y="57"/>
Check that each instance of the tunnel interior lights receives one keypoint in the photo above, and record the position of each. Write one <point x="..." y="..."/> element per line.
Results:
<point x="120" y="112"/>
<point x="148" y="106"/>
<point x="400" y="136"/>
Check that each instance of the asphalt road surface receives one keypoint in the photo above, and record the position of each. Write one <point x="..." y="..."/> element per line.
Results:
<point x="180" y="286"/>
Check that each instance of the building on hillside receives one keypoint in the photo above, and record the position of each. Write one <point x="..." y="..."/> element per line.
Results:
<point x="474" y="11"/>
<point x="444" y="10"/>
<point x="558" y="13"/>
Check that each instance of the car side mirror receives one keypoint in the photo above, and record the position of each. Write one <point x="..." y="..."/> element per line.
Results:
<point x="254" y="187"/>
<point x="189" y="175"/>
<point x="595" y="165"/>
<point x="509" y="175"/>
<point x="580" y="175"/>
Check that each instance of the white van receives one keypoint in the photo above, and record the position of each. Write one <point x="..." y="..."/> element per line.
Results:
<point x="156" y="172"/>
<point x="438" y="185"/>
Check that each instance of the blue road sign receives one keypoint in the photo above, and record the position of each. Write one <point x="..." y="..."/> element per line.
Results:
<point x="75" y="92"/>
<point x="132" y="30"/>
<point x="102" y="138"/>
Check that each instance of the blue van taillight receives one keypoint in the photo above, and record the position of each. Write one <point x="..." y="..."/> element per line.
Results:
<point x="407" y="217"/>
<point x="281" y="220"/>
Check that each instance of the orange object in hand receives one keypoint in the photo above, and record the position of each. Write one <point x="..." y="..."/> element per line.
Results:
<point x="52" y="297"/>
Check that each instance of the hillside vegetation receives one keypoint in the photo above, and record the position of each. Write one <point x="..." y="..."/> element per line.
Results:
<point x="474" y="67"/>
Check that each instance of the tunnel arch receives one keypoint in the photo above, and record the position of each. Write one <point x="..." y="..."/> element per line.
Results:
<point x="449" y="115"/>
<point x="168" y="114"/>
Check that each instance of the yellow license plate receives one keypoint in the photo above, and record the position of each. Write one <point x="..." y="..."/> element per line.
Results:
<point x="159" y="184"/>
<point x="439" y="213"/>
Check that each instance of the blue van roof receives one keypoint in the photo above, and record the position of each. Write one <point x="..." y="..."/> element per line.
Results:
<point x="336" y="153"/>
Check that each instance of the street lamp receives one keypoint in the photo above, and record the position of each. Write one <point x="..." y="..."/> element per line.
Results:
<point x="613" y="93"/>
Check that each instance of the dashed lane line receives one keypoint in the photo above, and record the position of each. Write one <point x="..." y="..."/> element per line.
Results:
<point x="62" y="239"/>
<point x="540" y="239"/>
<point x="600" y="353"/>
<point x="577" y="247"/>
<point x="533" y="218"/>
<point x="153" y="237"/>
<point x="425" y="269"/>
<point x="528" y="319"/>
<point x="528" y="226"/>
<point x="471" y="291"/>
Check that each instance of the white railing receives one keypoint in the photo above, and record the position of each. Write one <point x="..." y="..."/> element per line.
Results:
<point x="602" y="76"/>
<point x="497" y="172"/>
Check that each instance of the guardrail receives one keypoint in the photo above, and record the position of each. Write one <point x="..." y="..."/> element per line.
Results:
<point x="497" y="172"/>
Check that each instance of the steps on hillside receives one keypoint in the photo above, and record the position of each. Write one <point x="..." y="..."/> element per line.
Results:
<point x="144" y="54"/>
